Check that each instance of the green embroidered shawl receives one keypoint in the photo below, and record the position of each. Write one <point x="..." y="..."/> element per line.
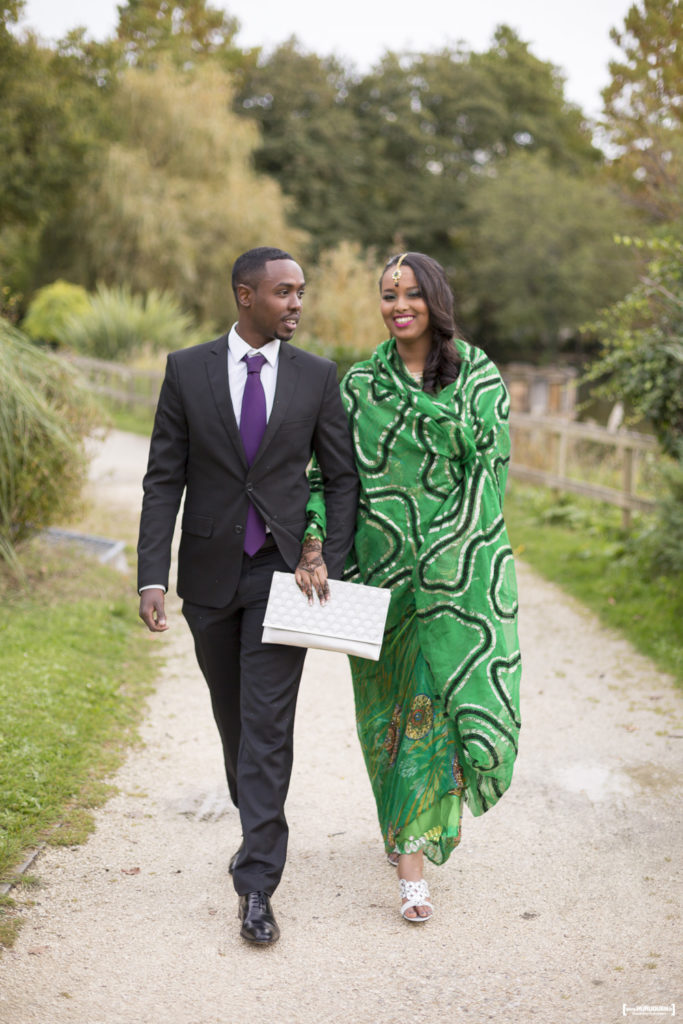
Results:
<point x="430" y="526"/>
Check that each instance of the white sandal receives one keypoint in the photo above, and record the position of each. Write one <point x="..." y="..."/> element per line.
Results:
<point x="417" y="895"/>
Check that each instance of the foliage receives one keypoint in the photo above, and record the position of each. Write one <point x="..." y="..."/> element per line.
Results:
<point x="579" y="545"/>
<point x="51" y="307"/>
<point x="643" y="111"/>
<point x="117" y="324"/>
<point x="309" y="141"/>
<point x="542" y="256"/>
<point x="399" y="148"/>
<point x="641" y="362"/>
<point x="48" y="126"/>
<point x="186" y="31"/>
<point x="177" y="200"/>
<point x="71" y="691"/>
<point x="45" y="412"/>
<point x="341" y="318"/>
<point x="662" y="543"/>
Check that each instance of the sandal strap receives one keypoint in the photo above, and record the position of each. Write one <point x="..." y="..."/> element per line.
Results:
<point x="416" y="892"/>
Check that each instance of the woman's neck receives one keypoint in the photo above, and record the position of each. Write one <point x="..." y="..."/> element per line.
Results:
<point x="414" y="354"/>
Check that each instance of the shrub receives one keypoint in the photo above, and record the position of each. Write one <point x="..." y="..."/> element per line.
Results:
<point x="341" y="317"/>
<point x="117" y="324"/>
<point x="45" y="412"/>
<point x="50" y="309"/>
<point x="662" y="544"/>
<point x="641" y="362"/>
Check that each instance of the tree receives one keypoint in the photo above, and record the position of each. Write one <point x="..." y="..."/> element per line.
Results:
<point x="49" y="145"/>
<point x="643" y="109"/>
<point x="542" y="259"/>
<point x="183" y="31"/>
<point x="641" y="362"/>
<point x="177" y="198"/>
<point x="393" y="154"/>
<point x="309" y="139"/>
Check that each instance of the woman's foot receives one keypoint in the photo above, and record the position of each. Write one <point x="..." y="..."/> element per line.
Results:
<point x="415" y="905"/>
<point x="392" y="858"/>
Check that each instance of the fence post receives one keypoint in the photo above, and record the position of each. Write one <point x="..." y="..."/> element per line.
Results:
<point x="628" y="486"/>
<point x="562" y="453"/>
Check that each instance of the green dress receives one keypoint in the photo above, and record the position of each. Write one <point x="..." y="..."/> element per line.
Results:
<point x="438" y="714"/>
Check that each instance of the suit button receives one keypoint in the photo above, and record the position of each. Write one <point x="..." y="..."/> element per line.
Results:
<point x="250" y="487"/>
<point x="239" y="529"/>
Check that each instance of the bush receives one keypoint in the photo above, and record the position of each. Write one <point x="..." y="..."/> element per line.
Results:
<point x="641" y="362"/>
<point x="341" y="317"/>
<point x="117" y="324"/>
<point x="45" y="412"/>
<point x="50" y="309"/>
<point x="662" y="545"/>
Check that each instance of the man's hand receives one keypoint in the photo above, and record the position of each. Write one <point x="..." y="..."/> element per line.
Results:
<point x="311" y="572"/>
<point x="152" y="609"/>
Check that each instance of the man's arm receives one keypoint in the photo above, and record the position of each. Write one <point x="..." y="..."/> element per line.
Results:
<point x="163" y="487"/>
<point x="333" y="448"/>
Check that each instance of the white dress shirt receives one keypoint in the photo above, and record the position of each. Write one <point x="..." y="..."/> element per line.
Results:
<point x="237" y="379"/>
<point x="237" y="370"/>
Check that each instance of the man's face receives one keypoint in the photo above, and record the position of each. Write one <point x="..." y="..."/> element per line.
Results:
<point x="275" y="303"/>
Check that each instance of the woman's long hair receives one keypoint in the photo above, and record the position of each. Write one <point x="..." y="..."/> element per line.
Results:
<point x="443" y="362"/>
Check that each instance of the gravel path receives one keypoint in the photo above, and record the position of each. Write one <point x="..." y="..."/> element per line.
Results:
<point x="561" y="904"/>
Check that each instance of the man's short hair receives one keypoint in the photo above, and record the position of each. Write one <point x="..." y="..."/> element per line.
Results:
<point x="249" y="266"/>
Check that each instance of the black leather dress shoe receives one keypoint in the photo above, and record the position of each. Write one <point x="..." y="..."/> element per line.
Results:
<point x="258" y="923"/>
<point x="233" y="859"/>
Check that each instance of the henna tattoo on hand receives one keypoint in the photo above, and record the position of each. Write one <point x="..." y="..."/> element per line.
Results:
<point x="311" y="555"/>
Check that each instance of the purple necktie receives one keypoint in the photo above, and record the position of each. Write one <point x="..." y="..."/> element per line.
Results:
<point x="252" y="428"/>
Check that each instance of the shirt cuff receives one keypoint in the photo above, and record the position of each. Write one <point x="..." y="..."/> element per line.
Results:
<point x="152" y="586"/>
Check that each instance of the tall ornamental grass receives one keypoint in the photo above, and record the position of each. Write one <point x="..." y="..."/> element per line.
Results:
<point x="119" y="324"/>
<point x="45" y="414"/>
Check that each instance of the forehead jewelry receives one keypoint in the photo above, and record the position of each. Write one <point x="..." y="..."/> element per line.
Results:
<point x="396" y="276"/>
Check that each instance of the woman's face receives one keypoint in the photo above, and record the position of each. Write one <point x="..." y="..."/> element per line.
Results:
<point x="404" y="311"/>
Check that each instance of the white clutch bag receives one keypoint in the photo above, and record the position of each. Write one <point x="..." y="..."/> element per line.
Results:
<point x="352" y="621"/>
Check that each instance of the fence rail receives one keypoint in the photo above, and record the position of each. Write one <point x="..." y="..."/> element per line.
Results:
<point x="544" y="448"/>
<point x="125" y="385"/>
<point x="548" y="451"/>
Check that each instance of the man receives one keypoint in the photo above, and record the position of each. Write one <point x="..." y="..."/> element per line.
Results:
<point x="237" y="422"/>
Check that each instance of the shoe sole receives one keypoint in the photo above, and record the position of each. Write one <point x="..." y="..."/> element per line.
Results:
<point x="259" y="942"/>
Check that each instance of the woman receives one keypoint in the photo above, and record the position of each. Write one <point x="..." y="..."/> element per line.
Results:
<point x="437" y="715"/>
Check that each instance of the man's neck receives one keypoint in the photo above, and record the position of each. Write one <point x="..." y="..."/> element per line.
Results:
<point x="252" y="338"/>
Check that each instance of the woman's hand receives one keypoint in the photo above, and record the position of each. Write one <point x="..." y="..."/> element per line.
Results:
<point x="311" y="572"/>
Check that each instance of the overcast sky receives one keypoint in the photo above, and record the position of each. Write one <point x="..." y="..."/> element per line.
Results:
<point x="574" y="36"/>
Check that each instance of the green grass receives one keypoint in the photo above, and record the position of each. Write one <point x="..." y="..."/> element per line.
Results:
<point x="75" y="665"/>
<point x="135" y="421"/>
<point x="580" y="546"/>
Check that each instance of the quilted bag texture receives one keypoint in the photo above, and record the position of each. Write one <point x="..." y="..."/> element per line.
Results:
<point x="351" y="622"/>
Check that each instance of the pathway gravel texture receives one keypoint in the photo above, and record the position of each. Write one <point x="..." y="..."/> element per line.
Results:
<point x="561" y="905"/>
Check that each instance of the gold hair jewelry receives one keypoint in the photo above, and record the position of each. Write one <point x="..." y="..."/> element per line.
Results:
<point x="396" y="276"/>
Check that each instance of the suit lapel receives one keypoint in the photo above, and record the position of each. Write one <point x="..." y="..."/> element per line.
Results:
<point x="217" y="370"/>
<point x="285" y="385"/>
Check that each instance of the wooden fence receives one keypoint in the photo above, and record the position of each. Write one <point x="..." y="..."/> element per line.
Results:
<point x="564" y="455"/>
<point x="124" y="385"/>
<point x="552" y="452"/>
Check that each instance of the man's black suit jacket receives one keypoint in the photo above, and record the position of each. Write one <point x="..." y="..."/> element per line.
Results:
<point x="196" y="447"/>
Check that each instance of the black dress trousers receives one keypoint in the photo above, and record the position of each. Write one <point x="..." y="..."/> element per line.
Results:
<point x="253" y="688"/>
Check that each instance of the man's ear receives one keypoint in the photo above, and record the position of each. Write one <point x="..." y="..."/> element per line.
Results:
<point x="244" y="294"/>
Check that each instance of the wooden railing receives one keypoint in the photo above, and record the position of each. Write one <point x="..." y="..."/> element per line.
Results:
<point x="552" y="452"/>
<point x="133" y="388"/>
<point x="561" y="454"/>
